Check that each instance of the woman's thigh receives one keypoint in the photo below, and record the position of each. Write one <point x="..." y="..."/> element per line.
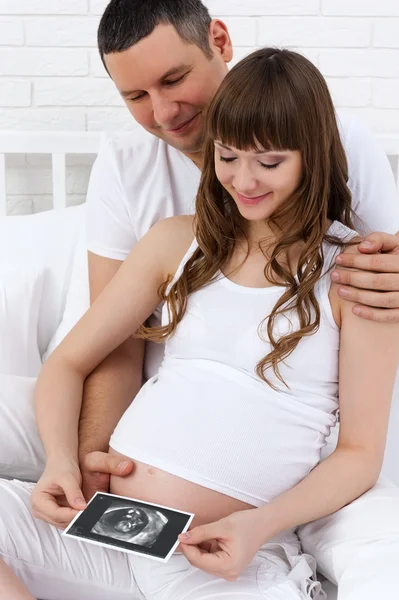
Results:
<point x="54" y="567"/>
<point x="278" y="572"/>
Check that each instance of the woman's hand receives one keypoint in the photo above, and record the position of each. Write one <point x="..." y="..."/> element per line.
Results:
<point x="225" y="548"/>
<point x="57" y="497"/>
<point x="371" y="278"/>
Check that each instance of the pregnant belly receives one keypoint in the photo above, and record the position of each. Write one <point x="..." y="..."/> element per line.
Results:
<point x="154" y="485"/>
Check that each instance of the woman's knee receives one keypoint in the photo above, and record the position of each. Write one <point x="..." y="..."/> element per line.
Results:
<point x="44" y="559"/>
<point x="18" y="534"/>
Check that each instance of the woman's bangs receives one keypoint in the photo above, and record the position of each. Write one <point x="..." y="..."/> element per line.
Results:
<point x="239" y="121"/>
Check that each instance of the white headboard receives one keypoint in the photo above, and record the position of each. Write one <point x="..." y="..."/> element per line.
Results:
<point x="60" y="144"/>
<point x="56" y="144"/>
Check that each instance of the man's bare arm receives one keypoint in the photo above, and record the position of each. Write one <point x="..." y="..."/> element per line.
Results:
<point x="108" y="390"/>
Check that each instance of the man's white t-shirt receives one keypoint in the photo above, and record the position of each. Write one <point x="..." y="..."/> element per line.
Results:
<point x="137" y="180"/>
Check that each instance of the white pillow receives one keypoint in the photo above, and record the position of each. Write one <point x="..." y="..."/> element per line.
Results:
<point x="78" y="296"/>
<point x="21" y="290"/>
<point x="21" y="451"/>
<point x="48" y="239"/>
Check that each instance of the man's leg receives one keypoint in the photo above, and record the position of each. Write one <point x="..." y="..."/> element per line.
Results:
<point x="53" y="567"/>
<point x="357" y="547"/>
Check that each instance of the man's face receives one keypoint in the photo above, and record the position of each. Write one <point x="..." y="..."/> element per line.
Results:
<point x="167" y="85"/>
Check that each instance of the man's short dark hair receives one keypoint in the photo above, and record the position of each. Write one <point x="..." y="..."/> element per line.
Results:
<point x="126" y="22"/>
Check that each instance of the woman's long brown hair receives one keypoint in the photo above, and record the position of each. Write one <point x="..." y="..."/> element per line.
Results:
<point x="273" y="100"/>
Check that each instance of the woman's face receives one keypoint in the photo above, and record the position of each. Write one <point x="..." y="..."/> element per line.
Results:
<point x="258" y="182"/>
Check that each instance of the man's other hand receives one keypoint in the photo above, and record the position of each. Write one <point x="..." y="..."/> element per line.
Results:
<point x="370" y="278"/>
<point x="97" y="468"/>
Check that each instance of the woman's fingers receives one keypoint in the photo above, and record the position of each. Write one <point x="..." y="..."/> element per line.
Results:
<point x="57" y="497"/>
<point x="46" y="508"/>
<point x="73" y="494"/>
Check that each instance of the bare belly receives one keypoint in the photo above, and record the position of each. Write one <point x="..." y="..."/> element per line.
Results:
<point x="154" y="485"/>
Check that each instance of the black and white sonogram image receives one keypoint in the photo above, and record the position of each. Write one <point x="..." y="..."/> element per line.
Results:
<point x="130" y="525"/>
<point x="136" y="525"/>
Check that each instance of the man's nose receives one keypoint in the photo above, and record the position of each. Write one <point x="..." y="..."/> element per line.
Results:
<point x="165" y="111"/>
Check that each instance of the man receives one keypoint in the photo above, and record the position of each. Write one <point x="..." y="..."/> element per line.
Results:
<point x="167" y="59"/>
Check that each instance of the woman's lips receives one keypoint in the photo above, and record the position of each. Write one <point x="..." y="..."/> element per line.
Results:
<point x="252" y="201"/>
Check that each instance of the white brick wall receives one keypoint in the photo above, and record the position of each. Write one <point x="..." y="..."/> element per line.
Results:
<point x="52" y="78"/>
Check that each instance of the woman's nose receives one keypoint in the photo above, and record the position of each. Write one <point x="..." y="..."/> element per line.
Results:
<point x="244" y="181"/>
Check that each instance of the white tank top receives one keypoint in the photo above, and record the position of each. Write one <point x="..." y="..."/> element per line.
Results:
<point x="207" y="417"/>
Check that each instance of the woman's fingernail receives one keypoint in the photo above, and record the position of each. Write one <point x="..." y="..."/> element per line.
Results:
<point x="357" y="311"/>
<point x="366" y="244"/>
<point x="123" y="465"/>
<point x="335" y="276"/>
<point x="343" y="292"/>
<point x="80" y="502"/>
<point x="184" y="537"/>
<point x="338" y="260"/>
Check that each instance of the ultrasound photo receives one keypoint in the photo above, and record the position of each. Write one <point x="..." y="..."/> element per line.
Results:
<point x="136" y="525"/>
<point x="130" y="525"/>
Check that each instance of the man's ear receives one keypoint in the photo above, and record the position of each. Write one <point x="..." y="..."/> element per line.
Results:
<point x="220" y="40"/>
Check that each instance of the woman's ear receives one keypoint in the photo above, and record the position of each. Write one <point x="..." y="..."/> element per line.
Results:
<point x="220" y="40"/>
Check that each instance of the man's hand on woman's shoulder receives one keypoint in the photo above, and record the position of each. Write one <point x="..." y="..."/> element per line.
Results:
<point x="370" y="277"/>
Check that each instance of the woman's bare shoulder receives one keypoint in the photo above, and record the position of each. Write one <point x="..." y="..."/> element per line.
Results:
<point x="176" y="231"/>
<point x="338" y="303"/>
<point x="351" y="248"/>
<point x="174" y="236"/>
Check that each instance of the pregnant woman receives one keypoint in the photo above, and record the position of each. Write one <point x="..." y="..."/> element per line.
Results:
<point x="233" y="425"/>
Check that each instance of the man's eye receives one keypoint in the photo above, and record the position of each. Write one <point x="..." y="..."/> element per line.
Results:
<point x="137" y="98"/>
<point x="227" y="160"/>
<point x="174" y="81"/>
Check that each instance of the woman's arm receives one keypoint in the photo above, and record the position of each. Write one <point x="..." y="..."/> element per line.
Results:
<point x="369" y="356"/>
<point x="125" y="303"/>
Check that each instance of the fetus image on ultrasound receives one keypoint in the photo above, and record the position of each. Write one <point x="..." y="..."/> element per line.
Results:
<point x="132" y="524"/>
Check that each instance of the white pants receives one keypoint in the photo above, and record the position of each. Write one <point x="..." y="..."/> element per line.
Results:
<point x="53" y="567"/>
<point x="357" y="547"/>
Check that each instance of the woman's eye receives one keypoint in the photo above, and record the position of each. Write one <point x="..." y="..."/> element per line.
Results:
<point x="274" y="166"/>
<point x="227" y="160"/>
